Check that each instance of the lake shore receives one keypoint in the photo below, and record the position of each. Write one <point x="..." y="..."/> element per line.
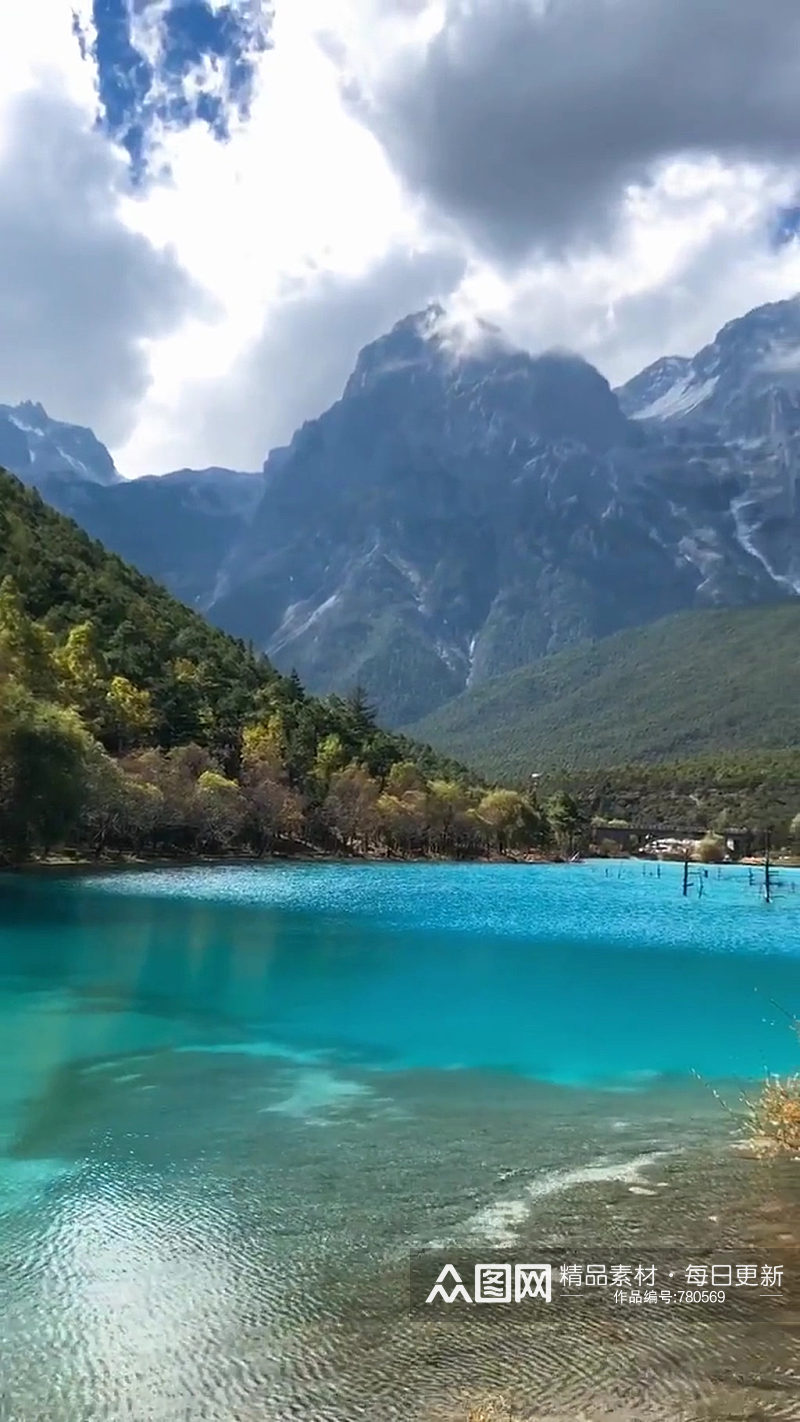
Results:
<point x="79" y="862"/>
<point x="83" y="863"/>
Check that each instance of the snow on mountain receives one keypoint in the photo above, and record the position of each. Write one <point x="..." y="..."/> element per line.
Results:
<point x="678" y="400"/>
<point x="35" y="447"/>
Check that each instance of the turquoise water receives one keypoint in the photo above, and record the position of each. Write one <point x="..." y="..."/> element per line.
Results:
<point x="233" y="1099"/>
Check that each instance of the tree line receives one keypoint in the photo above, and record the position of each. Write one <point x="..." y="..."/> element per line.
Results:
<point x="757" y="790"/>
<point x="90" y="759"/>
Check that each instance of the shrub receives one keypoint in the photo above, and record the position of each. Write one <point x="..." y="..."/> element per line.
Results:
<point x="775" y="1117"/>
<point x="710" y="849"/>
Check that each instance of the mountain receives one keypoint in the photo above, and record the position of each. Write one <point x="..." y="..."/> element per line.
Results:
<point x="38" y="448"/>
<point x="742" y="392"/>
<point x="745" y="384"/>
<point x="406" y="539"/>
<point x="177" y="528"/>
<point x="466" y="508"/>
<point x="693" y="684"/>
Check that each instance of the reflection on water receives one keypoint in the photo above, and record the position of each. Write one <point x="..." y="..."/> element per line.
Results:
<point x="232" y="1103"/>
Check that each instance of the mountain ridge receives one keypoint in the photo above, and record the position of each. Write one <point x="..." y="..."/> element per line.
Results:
<point x="466" y="508"/>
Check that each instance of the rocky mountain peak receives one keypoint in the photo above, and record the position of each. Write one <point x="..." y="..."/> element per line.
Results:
<point x="469" y="368"/>
<point x="32" y="410"/>
<point x="409" y="347"/>
<point x="749" y="357"/>
<point x="39" y="448"/>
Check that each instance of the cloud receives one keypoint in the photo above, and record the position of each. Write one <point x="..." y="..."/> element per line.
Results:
<point x="79" y="291"/>
<point x="207" y="208"/>
<point x="528" y="120"/>
<point x="297" y="365"/>
<point x="691" y="253"/>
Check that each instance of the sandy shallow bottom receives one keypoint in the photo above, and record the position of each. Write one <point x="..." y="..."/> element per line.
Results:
<point x="250" y="1260"/>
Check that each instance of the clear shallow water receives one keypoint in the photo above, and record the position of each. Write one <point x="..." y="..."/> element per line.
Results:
<point x="233" y="1099"/>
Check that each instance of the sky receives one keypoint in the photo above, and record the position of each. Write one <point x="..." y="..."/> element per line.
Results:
<point x="207" y="208"/>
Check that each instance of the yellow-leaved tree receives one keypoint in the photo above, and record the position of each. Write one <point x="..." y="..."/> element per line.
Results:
<point x="26" y="648"/>
<point x="331" y="757"/>
<point x="83" y="675"/>
<point x="129" y="714"/>
<point x="264" y="743"/>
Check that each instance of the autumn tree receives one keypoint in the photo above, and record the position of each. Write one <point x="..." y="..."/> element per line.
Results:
<point x="450" y="814"/>
<point x="404" y="776"/>
<point x="83" y="675"/>
<point x="264" y="742"/>
<point x="503" y="812"/>
<point x="26" y="648"/>
<point x="222" y="810"/>
<point x="350" y="807"/>
<point x="129" y="716"/>
<point x="274" y="810"/>
<point x="120" y="811"/>
<point x="402" y="821"/>
<point x="330" y="758"/>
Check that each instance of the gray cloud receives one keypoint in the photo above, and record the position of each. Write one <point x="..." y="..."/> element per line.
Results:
<point x="526" y="119"/>
<point x="78" y="290"/>
<point x="307" y="350"/>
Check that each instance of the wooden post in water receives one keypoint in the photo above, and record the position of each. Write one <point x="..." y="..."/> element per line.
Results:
<point x="767" y="881"/>
<point x="685" y="873"/>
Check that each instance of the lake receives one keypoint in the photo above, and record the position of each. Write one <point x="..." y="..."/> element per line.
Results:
<point x="235" y="1101"/>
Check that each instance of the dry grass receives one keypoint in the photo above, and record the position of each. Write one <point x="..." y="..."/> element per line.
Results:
<point x="490" y="1410"/>
<point x="775" y="1117"/>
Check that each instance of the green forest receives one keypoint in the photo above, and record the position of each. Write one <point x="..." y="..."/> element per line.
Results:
<point x="129" y="725"/>
<point x="696" y="685"/>
<point x="758" y="791"/>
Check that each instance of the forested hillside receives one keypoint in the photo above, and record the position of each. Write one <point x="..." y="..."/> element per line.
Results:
<point x="127" y="722"/>
<point x="699" y="683"/>
<point x="756" y="791"/>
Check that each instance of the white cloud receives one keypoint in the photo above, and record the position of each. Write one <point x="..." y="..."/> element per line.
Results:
<point x="294" y="368"/>
<point x="229" y="300"/>
<point x="691" y="252"/>
<point x="37" y="48"/>
<point x="300" y="200"/>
